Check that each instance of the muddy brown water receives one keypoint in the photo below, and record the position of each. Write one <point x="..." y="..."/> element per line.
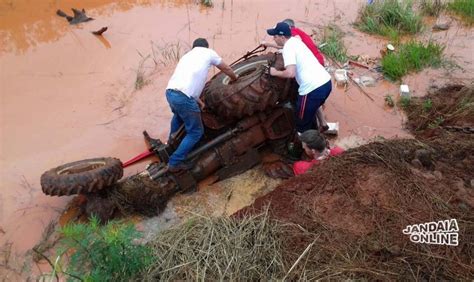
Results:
<point x="68" y="95"/>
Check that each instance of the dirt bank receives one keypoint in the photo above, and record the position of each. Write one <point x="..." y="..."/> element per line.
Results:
<point x="354" y="207"/>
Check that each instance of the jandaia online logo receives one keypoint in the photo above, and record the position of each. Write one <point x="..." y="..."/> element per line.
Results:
<point x="444" y="232"/>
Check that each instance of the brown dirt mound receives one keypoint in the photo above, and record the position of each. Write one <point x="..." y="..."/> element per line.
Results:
<point x="452" y="105"/>
<point x="355" y="206"/>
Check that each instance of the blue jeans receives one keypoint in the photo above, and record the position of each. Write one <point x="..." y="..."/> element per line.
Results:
<point x="186" y="110"/>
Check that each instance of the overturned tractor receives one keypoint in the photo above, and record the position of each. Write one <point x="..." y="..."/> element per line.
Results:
<point x="241" y="117"/>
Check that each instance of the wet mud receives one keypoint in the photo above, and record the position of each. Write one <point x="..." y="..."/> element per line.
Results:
<point x="68" y="95"/>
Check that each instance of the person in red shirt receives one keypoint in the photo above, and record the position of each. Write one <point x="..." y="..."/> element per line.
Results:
<point x="317" y="148"/>
<point x="307" y="40"/>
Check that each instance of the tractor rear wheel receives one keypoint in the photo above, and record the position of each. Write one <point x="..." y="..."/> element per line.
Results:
<point x="253" y="92"/>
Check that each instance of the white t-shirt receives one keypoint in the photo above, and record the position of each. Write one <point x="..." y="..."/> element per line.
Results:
<point x="310" y="74"/>
<point x="191" y="72"/>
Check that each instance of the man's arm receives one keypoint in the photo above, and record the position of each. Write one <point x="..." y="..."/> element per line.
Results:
<point x="289" y="72"/>
<point x="227" y="70"/>
<point x="269" y="44"/>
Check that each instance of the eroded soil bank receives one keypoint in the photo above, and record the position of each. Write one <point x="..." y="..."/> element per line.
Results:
<point x="69" y="95"/>
<point x="351" y="210"/>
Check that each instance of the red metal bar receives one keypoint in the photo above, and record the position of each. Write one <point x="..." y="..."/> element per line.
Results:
<point x="138" y="158"/>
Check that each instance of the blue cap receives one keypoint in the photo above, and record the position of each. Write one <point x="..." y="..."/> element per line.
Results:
<point x="281" y="28"/>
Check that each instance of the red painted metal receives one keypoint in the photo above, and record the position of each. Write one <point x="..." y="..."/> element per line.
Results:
<point x="138" y="158"/>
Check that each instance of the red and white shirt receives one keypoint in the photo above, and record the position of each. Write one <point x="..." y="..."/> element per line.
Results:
<point x="301" y="167"/>
<point x="308" y="41"/>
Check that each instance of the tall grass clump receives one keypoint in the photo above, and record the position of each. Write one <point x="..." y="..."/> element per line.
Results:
<point x="102" y="253"/>
<point x="219" y="249"/>
<point x="166" y="53"/>
<point x="411" y="56"/>
<point x="332" y="45"/>
<point x="207" y="3"/>
<point x="386" y="17"/>
<point x="431" y="7"/>
<point x="464" y="8"/>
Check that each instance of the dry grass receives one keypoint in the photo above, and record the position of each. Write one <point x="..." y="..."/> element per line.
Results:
<point x="141" y="80"/>
<point x="212" y="249"/>
<point x="167" y="53"/>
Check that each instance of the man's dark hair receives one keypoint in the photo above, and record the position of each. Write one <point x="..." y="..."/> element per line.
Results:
<point x="290" y="22"/>
<point x="314" y="140"/>
<point x="201" y="42"/>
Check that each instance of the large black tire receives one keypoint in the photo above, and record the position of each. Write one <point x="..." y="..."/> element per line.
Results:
<point x="86" y="176"/>
<point x="253" y="92"/>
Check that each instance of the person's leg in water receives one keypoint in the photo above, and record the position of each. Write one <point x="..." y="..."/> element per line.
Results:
<point x="187" y="110"/>
<point x="325" y="90"/>
<point x="321" y="120"/>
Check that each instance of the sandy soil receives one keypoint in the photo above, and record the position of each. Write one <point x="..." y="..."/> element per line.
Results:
<point x="68" y="95"/>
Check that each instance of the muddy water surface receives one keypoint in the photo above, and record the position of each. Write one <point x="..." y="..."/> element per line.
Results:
<point x="68" y="95"/>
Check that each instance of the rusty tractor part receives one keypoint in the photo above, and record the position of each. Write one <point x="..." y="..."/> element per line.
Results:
<point x="223" y="150"/>
<point x="254" y="91"/>
<point x="229" y="154"/>
<point x="241" y="118"/>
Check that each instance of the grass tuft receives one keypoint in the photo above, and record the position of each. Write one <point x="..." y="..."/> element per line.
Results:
<point x="389" y="101"/>
<point x="386" y="17"/>
<point x="431" y="8"/>
<point x="412" y="56"/>
<point x="332" y="45"/>
<point x="140" y="80"/>
<point x="167" y="53"/>
<point x="427" y="105"/>
<point x="463" y="8"/>
<point x="207" y="3"/>
<point x="405" y="102"/>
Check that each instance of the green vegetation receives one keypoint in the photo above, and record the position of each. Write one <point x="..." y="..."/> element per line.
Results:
<point x="427" y="105"/>
<point x="332" y="45"/>
<point x="436" y="123"/>
<point x="102" y="253"/>
<point x="405" y="102"/>
<point x="389" y="101"/>
<point x="431" y="7"/>
<point x="412" y="56"/>
<point x="464" y="8"/>
<point x="207" y="3"/>
<point x="389" y="17"/>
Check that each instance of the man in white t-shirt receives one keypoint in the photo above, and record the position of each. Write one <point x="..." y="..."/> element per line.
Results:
<point x="182" y="93"/>
<point x="314" y="81"/>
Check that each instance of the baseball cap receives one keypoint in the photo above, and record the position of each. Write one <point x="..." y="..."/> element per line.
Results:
<point x="280" y="29"/>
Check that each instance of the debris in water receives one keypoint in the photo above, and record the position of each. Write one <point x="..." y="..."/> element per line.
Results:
<point x="100" y="31"/>
<point x="79" y="16"/>
<point x="441" y="26"/>
<point x="404" y="91"/>
<point x="366" y="81"/>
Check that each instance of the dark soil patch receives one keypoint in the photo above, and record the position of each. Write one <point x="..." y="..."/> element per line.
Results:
<point x="452" y="105"/>
<point x="355" y="206"/>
